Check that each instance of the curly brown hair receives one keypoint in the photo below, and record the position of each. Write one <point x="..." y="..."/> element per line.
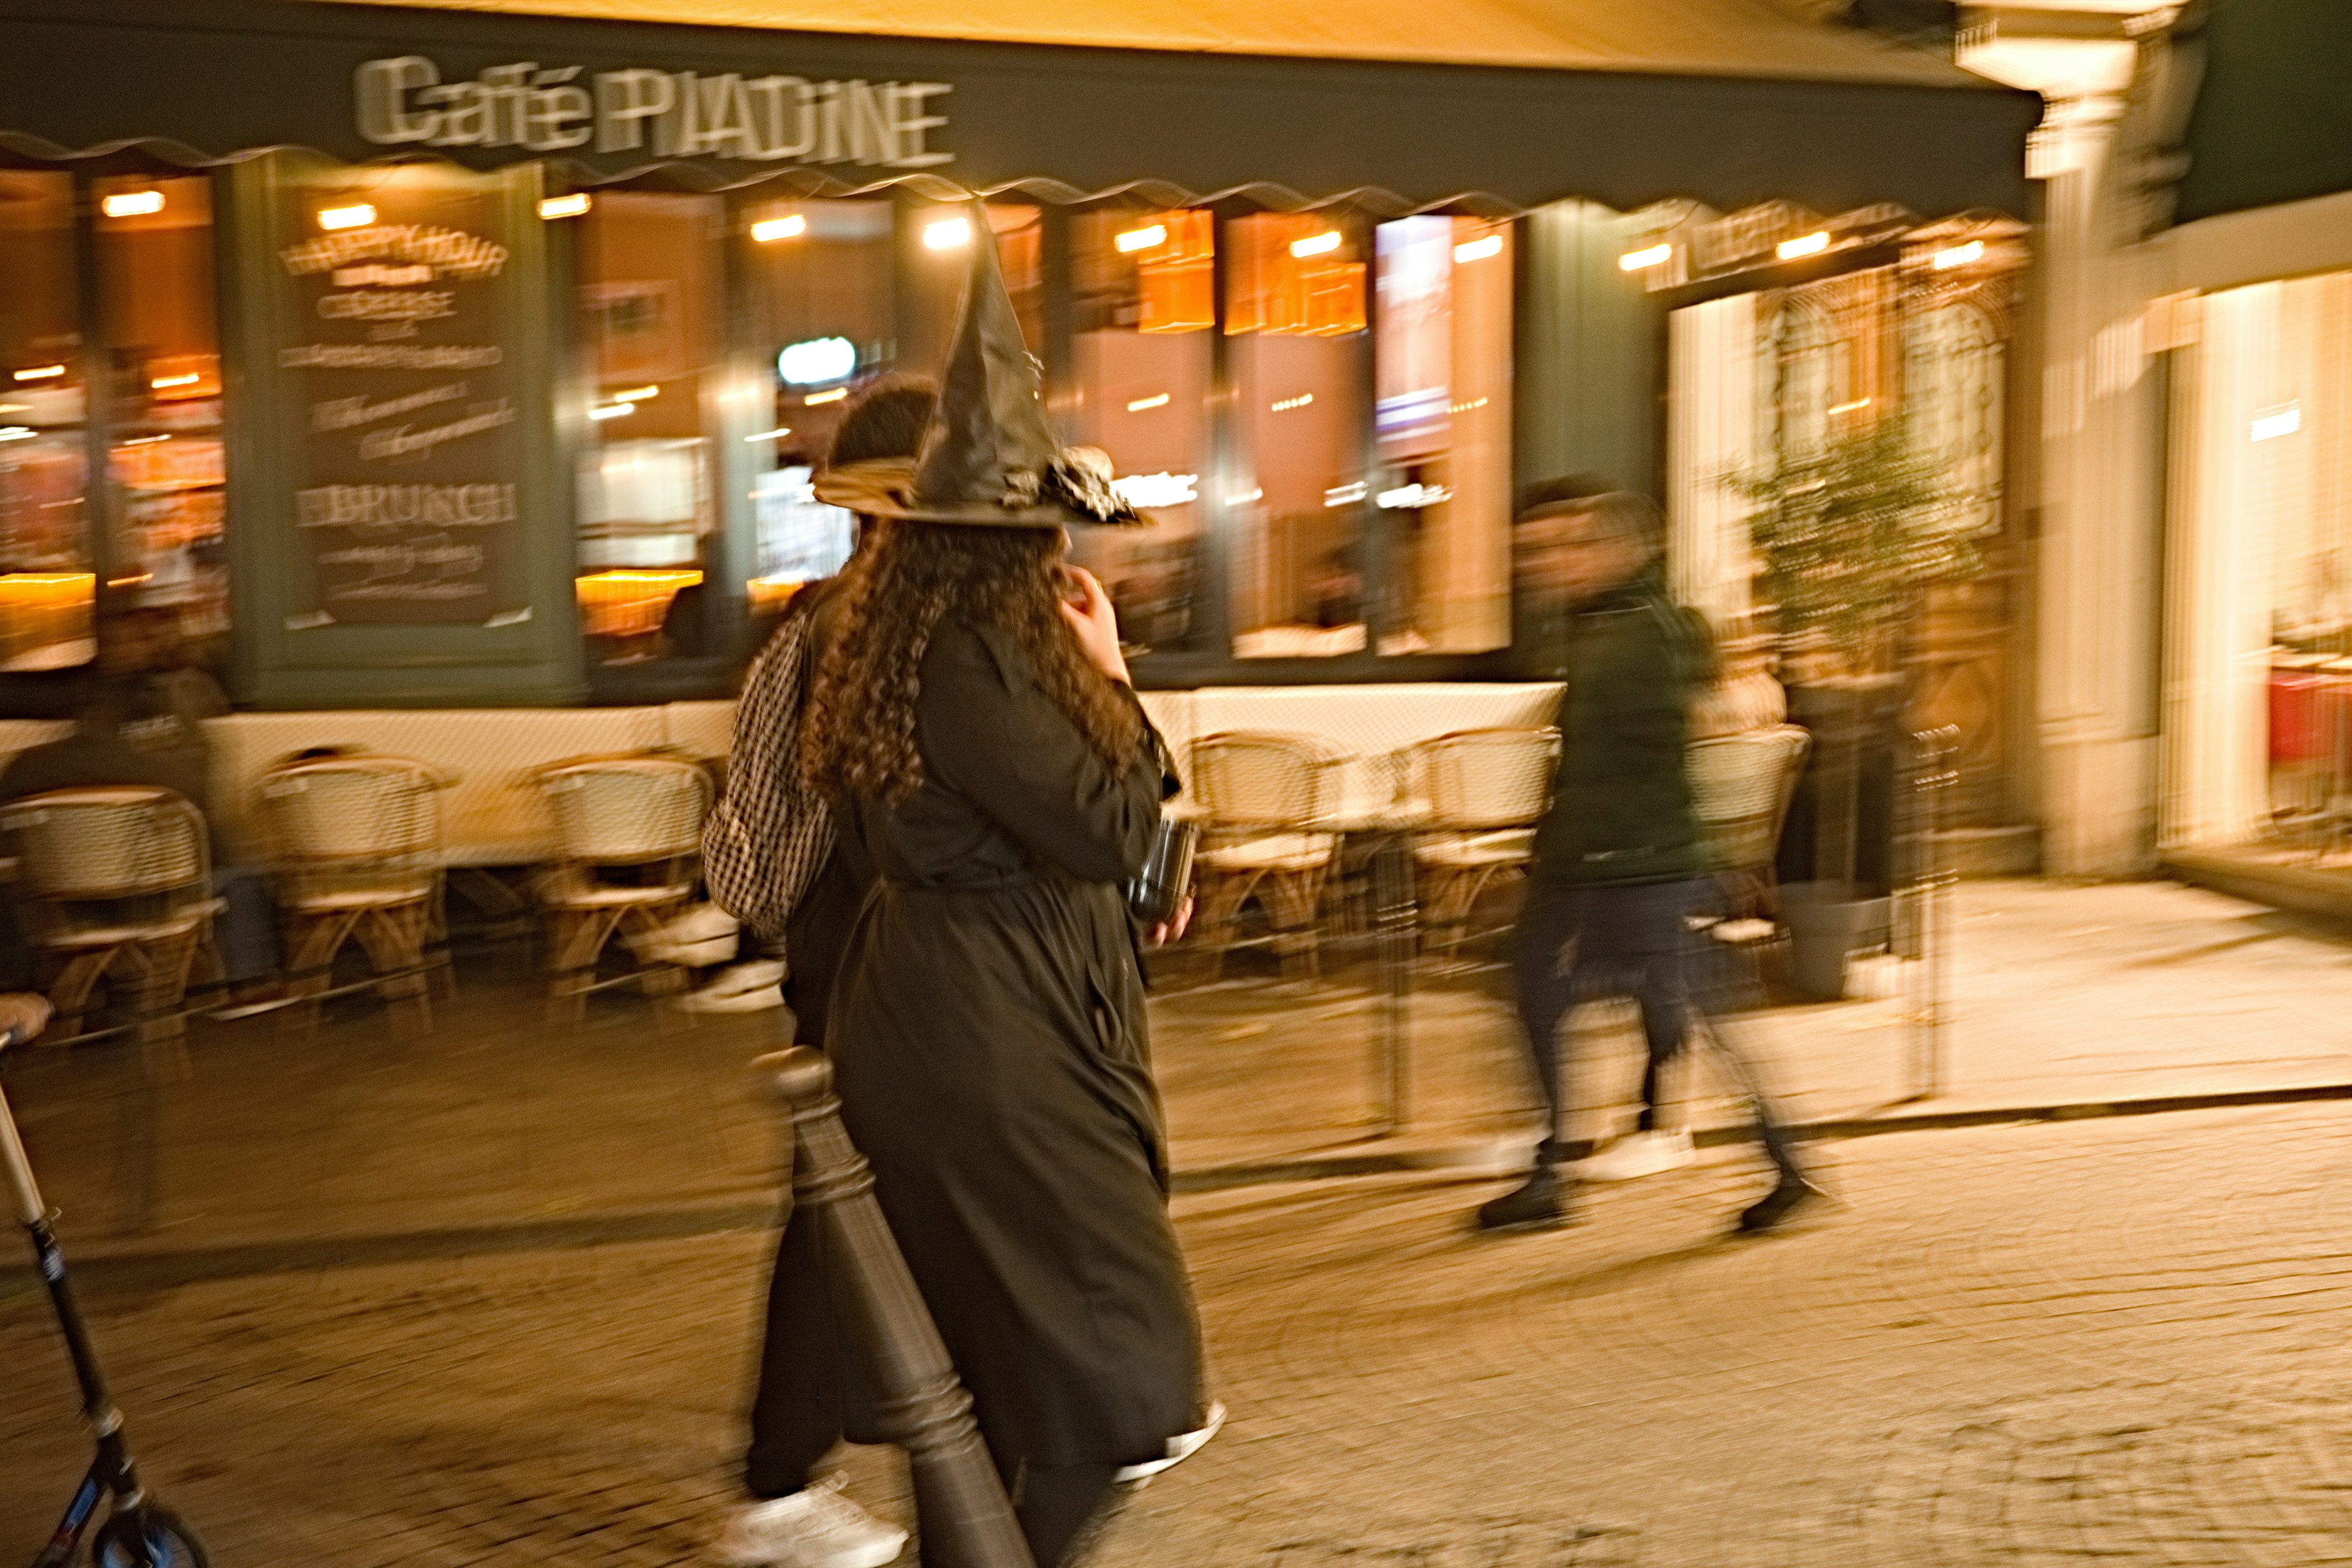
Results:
<point x="859" y="735"/>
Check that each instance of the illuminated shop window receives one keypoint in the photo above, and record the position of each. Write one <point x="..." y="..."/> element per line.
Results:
<point x="1443" y="416"/>
<point x="1144" y="300"/>
<point x="821" y="317"/>
<point x="650" y="303"/>
<point x="163" y="338"/>
<point x="48" y="567"/>
<point x="1296" y="309"/>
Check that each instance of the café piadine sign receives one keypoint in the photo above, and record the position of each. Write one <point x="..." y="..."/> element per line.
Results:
<point x="405" y="101"/>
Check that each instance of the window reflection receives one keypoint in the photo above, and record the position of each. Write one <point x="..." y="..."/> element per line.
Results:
<point x="155" y="270"/>
<point x="1296" y="307"/>
<point x="1443" y="364"/>
<point x="1144" y="302"/>
<point x="820" y="296"/>
<point x="650" y="301"/>
<point x="47" y="577"/>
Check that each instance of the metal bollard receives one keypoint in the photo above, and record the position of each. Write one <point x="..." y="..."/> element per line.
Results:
<point x="965" y="1518"/>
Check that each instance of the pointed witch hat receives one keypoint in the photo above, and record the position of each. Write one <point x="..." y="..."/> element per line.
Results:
<point x="988" y="459"/>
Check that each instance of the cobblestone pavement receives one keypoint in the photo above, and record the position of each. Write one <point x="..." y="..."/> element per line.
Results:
<point x="2119" y="1340"/>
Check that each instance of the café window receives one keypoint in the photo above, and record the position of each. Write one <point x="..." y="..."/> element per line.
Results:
<point x="648" y="517"/>
<point x="820" y="313"/>
<point x="1296" y="309"/>
<point x="162" y="352"/>
<point x="1144" y="307"/>
<point x="48" y="569"/>
<point x="1442" y="413"/>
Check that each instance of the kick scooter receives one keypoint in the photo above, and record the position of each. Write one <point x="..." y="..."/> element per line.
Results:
<point x="136" y="1533"/>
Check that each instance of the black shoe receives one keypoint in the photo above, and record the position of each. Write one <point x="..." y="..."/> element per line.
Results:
<point x="1540" y="1203"/>
<point x="1791" y="1194"/>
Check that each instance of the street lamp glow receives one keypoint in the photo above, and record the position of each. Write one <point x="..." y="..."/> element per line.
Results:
<point x="1643" y="260"/>
<point x="1812" y="244"/>
<point x="1316" y="244"/>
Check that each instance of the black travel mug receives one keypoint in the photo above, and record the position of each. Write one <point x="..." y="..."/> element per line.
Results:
<point x="1157" y="891"/>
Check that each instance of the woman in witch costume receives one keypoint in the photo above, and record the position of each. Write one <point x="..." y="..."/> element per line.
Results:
<point x="992" y="772"/>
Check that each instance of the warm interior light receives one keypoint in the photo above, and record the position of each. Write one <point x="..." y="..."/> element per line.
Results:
<point x="132" y="204"/>
<point x="1959" y="255"/>
<point x="358" y="215"/>
<point x="1812" y="244"/>
<point x="947" y="234"/>
<point x="1283" y="405"/>
<point x="1316" y="244"/>
<point x="1856" y="406"/>
<point x="41" y="373"/>
<point x="778" y="434"/>
<point x="572" y="206"/>
<point x="16" y="432"/>
<point x="815" y="361"/>
<point x="1479" y="250"/>
<point x="611" y="410"/>
<point x="835" y="395"/>
<point x="2284" y="422"/>
<point x="1141" y="238"/>
<point x="1645" y="259"/>
<point x="637" y="395"/>
<point x="1140" y="404"/>
<point x="768" y="230"/>
<point x="161" y="382"/>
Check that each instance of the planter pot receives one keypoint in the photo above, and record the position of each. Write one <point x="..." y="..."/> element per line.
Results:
<point x="1828" y="924"/>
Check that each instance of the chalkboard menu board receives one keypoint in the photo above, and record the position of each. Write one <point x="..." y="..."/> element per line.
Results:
<point x="397" y="361"/>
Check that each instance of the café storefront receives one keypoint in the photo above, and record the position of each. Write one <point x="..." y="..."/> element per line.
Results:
<point x="430" y="358"/>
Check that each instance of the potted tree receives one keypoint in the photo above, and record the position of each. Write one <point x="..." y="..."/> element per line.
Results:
<point x="1851" y="534"/>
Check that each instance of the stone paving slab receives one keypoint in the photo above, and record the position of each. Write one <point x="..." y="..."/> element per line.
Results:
<point x="2115" y="1341"/>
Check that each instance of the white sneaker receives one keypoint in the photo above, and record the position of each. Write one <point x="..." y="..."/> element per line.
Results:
<point x="818" y="1528"/>
<point x="1638" y="1154"/>
<point x="759" y="999"/>
<point x="1180" y="1448"/>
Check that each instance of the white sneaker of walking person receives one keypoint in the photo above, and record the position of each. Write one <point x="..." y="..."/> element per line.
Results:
<point x="1180" y="1448"/>
<point x="1638" y="1154"/>
<point x="705" y="935"/>
<point x="815" y="1528"/>
<point x="752" y="987"/>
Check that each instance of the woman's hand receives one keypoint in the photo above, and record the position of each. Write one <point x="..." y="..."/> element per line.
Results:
<point x="1096" y="625"/>
<point x="1171" y="929"/>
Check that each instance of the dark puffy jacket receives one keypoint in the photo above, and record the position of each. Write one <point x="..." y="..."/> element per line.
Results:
<point x="1620" y="802"/>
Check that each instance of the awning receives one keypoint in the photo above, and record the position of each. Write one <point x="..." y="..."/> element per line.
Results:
<point x="1728" y="102"/>
<point x="2274" y="118"/>
<point x="1778" y="40"/>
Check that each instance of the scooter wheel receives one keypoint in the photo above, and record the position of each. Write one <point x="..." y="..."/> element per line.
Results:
<point x="170" y="1543"/>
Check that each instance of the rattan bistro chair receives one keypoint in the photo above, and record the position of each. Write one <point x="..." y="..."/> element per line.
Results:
<point x="115" y="878"/>
<point x="1741" y="786"/>
<point x="1266" y="798"/>
<point x="628" y="831"/>
<point x="1486" y="791"/>
<point x="356" y="846"/>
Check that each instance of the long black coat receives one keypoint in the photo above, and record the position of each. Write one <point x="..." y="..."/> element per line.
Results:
<point x="989" y="1043"/>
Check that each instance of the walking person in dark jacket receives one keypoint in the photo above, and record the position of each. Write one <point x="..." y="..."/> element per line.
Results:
<point x="1621" y="865"/>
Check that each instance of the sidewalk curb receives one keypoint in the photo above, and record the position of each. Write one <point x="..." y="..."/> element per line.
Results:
<point x="144" y="1268"/>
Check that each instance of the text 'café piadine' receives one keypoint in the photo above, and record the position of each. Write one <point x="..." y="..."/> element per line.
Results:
<point x="422" y="356"/>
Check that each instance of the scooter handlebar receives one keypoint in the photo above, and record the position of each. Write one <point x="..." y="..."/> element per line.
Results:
<point x="23" y="1014"/>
